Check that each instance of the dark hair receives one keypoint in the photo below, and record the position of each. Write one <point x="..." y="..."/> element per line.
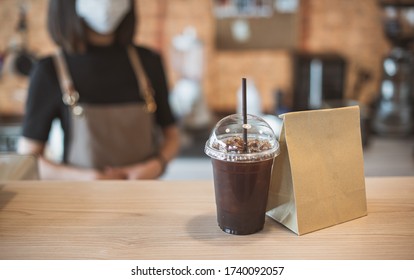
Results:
<point x="67" y="29"/>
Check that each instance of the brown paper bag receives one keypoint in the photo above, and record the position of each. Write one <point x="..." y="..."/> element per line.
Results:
<point x="318" y="178"/>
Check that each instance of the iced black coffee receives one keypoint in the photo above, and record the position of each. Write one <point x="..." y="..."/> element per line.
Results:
<point x="242" y="170"/>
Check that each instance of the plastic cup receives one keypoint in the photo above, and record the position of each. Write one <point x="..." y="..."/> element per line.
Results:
<point x="241" y="177"/>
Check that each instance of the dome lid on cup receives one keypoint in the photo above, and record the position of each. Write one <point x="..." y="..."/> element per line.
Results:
<point x="226" y="140"/>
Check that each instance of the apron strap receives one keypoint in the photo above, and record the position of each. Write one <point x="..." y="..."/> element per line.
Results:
<point x="143" y="81"/>
<point x="71" y="97"/>
<point x="69" y="94"/>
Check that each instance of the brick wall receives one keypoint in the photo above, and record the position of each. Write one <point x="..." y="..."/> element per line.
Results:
<point x="351" y="28"/>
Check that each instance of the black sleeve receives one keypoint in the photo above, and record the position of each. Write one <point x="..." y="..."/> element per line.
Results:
<point x="153" y="64"/>
<point x="43" y="102"/>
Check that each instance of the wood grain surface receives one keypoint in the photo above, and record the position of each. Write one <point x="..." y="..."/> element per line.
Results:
<point x="177" y="220"/>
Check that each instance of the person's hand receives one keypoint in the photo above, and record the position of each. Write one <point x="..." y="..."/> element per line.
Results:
<point x="110" y="173"/>
<point x="150" y="169"/>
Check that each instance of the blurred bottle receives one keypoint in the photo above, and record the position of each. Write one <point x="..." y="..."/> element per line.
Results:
<point x="186" y="98"/>
<point x="19" y="60"/>
<point x="393" y="116"/>
<point x="394" y="112"/>
<point x="280" y="107"/>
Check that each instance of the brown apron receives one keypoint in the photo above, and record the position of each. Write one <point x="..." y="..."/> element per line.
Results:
<point x="109" y="135"/>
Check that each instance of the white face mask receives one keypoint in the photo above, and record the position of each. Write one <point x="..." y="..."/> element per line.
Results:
<point x="103" y="16"/>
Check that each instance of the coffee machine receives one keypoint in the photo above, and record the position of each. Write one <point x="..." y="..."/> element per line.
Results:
<point x="394" y="112"/>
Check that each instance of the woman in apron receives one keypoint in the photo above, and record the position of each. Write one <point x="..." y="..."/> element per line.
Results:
<point x="110" y="96"/>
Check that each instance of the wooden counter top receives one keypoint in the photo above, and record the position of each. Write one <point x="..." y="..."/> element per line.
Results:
<point x="177" y="220"/>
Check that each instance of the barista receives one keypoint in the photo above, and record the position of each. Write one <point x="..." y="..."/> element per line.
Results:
<point x="110" y="96"/>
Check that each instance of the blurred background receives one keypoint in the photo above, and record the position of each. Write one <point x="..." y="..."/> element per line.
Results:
<point x="296" y="55"/>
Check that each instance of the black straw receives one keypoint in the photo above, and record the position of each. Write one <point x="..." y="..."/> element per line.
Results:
<point x="244" y="109"/>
